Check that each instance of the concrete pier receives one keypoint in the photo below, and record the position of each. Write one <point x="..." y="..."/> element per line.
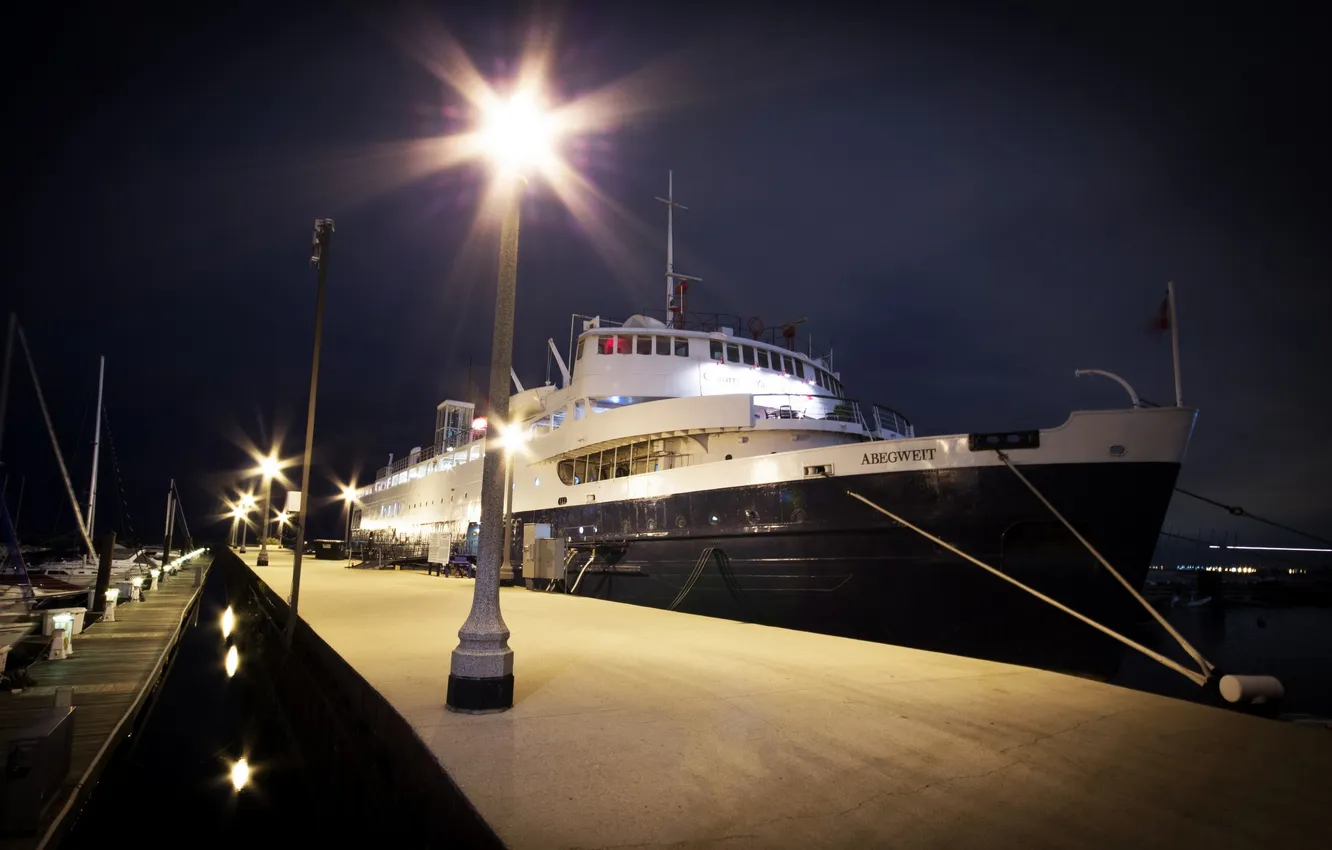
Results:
<point x="646" y="728"/>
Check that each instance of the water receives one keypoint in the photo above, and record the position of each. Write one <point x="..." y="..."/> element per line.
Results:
<point x="1292" y="644"/>
<point x="169" y="785"/>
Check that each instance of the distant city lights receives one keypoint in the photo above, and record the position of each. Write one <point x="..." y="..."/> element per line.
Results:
<point x="1269" y="548"/>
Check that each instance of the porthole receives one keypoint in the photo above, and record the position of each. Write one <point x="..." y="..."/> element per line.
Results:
<point x="728" y="457"/>
<point x="681" y="522"/>
<point x="1118" y="451"/>
<point x="751" y="516"/>
<point x="651" y="525"/>
<point x="798" y="515"/>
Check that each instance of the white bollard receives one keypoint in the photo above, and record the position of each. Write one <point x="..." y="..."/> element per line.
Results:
<point x="1251" y="689"/>
<point x="64" y="696"/>
<point x="109" y="614"/>
<point x="60" y="647"/>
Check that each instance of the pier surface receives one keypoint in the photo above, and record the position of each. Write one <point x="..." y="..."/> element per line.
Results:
<point x="112" y="671"/>
<point x="646" y="728"/>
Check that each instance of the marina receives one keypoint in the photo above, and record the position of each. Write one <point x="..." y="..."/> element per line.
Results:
<point x="67" y="720"/>
<point x="633" y="726"/>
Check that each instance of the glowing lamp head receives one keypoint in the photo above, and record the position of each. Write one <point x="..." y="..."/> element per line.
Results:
<point x="348" y="494"/>
<point x="247" y="501"/>
<point x="269" y="466"/>
<point x="517" y="135"/>
<point x="240" y="774"/>
<point x="237" y="512"/>
<point x="283" y="517"/>
<point x="512" y="438"/>
<point x="479" y="423"/>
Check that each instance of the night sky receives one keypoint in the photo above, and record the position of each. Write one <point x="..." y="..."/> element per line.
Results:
<point x="969" y="206"/>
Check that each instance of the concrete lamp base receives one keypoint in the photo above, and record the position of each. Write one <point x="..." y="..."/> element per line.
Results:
<point x="262" y="560"/>
<point x="480" y="696"/>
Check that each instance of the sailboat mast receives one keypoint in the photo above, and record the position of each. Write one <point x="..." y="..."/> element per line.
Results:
<point x="55" y="445"/>
<point x="97" y="442"/>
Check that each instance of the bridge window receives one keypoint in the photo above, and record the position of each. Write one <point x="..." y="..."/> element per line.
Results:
<point x="580" y="407"/>
<point x="715" y="349"/>
<point x="732" y="352"/>
<point x="681" y="346"/>
<point x="788" y="364"/>
<point x="580" y="350"/>
<point x="623" y="345"/>
<point x="605" y="345"/>
<point x="800" y="369"/>
<point x="762" y="357"/>
<point x="663" y="345"/>
<point x="747" y="355"/>
<point x="644" y="345"/>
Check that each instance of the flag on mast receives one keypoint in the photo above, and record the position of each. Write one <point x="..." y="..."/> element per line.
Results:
<point x="1163" y="320"/>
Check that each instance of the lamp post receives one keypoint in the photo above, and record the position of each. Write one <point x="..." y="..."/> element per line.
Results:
<point x="481" y="674"/>
<point x="348" y="496"/>
<point x="268" y="467"/>
<point x="247" y="502"/>
<point x="235" y="522"/>
<point x="283" y="519"/>
<point x="319" y="257"/>
<point x="512" y="440"/>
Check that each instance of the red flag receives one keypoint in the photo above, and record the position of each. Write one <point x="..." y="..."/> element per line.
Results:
<point x="1162" y="320"/>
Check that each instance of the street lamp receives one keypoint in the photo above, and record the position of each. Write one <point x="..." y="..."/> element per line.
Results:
<point x="320" y="252"/>
<point x="348" y="496"/>
<point x="247" y="503"/>
<point x="512" y="440"/>
<point x="517" y="137"/>
<point x="268" y="467"/>
<point x="236" y="514"/>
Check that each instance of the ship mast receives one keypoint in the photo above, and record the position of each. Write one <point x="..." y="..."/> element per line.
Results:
<point x="97" y="442"/>
<point x="676" y="284"/>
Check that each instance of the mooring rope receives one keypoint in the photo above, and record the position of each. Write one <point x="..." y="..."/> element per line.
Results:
<point x="1197" y="656"/>
<point x="1193" y="675"/>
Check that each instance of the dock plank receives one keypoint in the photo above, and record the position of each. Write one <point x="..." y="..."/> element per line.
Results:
<point x="108" y="670"/>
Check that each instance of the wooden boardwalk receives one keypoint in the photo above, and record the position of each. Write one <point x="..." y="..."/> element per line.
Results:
<point x="113" y="670"/>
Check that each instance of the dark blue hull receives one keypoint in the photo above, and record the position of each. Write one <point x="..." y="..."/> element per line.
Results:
<point x="805" y="555"/>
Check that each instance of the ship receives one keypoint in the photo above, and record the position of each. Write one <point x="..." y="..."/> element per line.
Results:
<point x="684" y="462"/>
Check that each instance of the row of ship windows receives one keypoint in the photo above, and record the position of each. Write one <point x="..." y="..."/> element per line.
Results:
<point x="732" y="352"/>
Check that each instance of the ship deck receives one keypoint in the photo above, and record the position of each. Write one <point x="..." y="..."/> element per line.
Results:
<point x="646" y="728"/>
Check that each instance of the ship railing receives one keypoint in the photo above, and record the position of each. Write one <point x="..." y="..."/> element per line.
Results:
<point x="889" y="424"/>
<point x="794" y="406"/>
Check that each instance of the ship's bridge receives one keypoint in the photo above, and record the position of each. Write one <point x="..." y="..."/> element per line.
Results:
<point x="643" y="359"/>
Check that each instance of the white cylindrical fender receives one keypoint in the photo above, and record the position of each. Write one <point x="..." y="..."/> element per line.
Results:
<point x="1250" y="688"/>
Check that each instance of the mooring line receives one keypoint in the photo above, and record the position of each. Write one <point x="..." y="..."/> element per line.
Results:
<point x="1196" y="677"/>
<point x="1205" y="665"/>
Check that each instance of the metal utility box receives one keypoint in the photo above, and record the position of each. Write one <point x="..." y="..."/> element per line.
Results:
<point x="543" y="556"/>
<point x="330" y="550"/>
<point x="37" y="759"/>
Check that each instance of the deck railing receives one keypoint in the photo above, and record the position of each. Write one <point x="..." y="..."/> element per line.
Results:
<point x="884" y="423"/>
